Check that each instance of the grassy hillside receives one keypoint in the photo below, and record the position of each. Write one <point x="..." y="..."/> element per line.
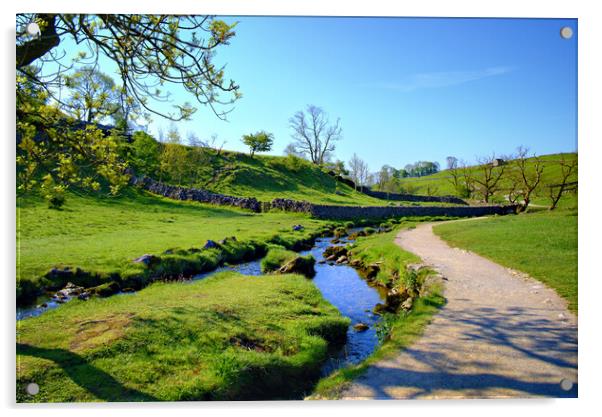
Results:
<point x="106" y="234"/>
<point x="269" y="177"/>
<point x="222" y="338"/>
<point x="540" y="243"/>
<point x="440" y="183"/>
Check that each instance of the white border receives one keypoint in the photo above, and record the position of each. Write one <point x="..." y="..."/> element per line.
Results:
<point x="590" y="108"/>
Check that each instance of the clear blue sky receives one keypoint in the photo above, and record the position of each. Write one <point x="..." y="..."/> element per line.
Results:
<point x="406" y="89"/>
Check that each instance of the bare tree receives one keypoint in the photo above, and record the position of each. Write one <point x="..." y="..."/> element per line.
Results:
<point x="526" y="179"/>
<point x="556" y="191"/>
<point x="358" y="171"/>
<point x="313" y="133"/>
<point x="489" y="180"/>
<point x="454" y="171"/>
<point x="467" y="177"/>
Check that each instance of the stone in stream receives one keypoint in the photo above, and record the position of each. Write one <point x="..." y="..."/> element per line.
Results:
<point x="342" y="259"/>
<point x="335" y="251"/>
<point x="299" y="265"/>
<point x="360" y="327"/>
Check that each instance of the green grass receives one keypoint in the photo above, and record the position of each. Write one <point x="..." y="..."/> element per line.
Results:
<point x="276" y="257"/>
<point x="540" y="243"/>
<point x="225" y="337"/>
<point x="440" y="183"/>
<point x="269" y="177"/>
<point x="381" y="249"/>
<point x="105" y="234"/>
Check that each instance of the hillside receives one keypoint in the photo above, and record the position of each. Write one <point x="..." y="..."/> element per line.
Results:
<point x="440" y="183"/>
<point x="269" y="177"/>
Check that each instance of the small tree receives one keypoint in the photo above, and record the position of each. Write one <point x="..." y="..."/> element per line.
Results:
<point x="489" y="180"/>
<point x="145" y="153"/>
<point x="314" y="135"/>
<point x="174" y="157"/>
<point x="526" y="179"/>
<point x="358" y="170"/>
<point x="566" y="170"/>
<point x="258" y="142"/>
<point x="94" y="95"/>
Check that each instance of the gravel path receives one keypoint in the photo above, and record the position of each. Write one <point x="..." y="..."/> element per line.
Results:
<point x="501" y="334"/>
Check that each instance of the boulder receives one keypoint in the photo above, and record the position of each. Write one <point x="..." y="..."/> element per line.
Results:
<point x="227" y="240"/>
<point x="210" y="244"/>
<point x="355" y="263"/>
<point x="395" y="298"/>
<point x="148" y="260"/>
<point x="299" y="265"/>
<point x="407" y="304"/>
<point x="298" y="228"/>
<point x="360" y="327"/>
<point x="337" y="251"/>
<point x="85" y="296"/>
<point x="341" y="259"/>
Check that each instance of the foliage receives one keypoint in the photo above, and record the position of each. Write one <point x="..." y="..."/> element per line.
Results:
<point x="258" y="142"/>
<point x="221" y="338"/>
<point x="148" y="51"/>
<point x="93" y="95"/>
<point x="421" y="168"/>
<point x="145" y="154"/>
<point x="55" y="152"/>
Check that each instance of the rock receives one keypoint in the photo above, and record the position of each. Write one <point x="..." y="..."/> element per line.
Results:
<point x="370" y="271"/>
<point x="407" y="304"/>
<point x="43" y="305"/>
<point x="395" y="298"/>
<point x="379" y="308"/>
<point x="227" y="240"/>
<point x="336" y="251"/>
<point x="331" y="258"/>
<point x="148" y="260"/>
<point x="298" y="228"/>
<point x="105" y="290"/>
<point x="360" y="327"/>
<point x="85" y="296"/>
<point x="335" y="241"/>
<point x="127" y="290"/>
<point x="355" y="263"/>
<point x="342" y="259"/>
<point x="322" y="262"/>
<point x="210" y="244"/>
<point x="299" y="265"/>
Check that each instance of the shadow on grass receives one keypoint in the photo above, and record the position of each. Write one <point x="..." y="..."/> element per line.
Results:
<point x="94" y="380"/>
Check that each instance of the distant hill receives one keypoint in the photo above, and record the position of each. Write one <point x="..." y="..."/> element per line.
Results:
<point x="440" y="183"/>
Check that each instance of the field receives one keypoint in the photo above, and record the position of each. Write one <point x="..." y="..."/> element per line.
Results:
<point x="106" y="234"/>
<point x="540" y="243"/>
<point x="222" y="338"/>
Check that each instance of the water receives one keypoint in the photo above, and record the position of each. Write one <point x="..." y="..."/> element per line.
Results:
<point x="340" y="285"/>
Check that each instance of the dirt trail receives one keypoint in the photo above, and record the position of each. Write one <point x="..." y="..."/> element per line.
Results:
<point x="500" y="335"/>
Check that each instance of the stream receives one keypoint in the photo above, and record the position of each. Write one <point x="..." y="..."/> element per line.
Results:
<point x="340" y="285"/>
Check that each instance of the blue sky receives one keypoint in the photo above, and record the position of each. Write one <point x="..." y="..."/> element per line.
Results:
<point x="406" y="89"/>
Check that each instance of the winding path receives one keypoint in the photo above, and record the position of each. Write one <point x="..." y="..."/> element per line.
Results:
<point x="501" y="334"/>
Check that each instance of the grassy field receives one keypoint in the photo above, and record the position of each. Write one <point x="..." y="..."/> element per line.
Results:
<point x="106" y="234"/>
<point x="440" y="183"/>
<point x="540" y="243"/>
<point x="225" y="337"/>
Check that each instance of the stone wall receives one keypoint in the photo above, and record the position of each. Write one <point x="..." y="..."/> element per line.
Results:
<point x="194" y="194"/>
<point x="411" y="197"/>
<point x="356" y="212"/>
<point x="316" y="210"/>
